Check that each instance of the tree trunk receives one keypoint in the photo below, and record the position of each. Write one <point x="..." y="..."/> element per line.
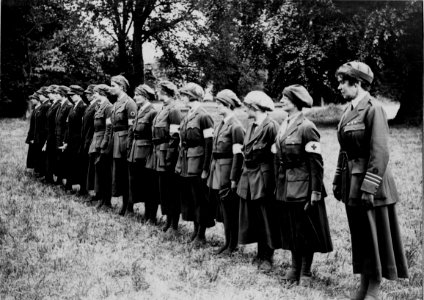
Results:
<point x="137" y="47"/>
<point x="122" y="55"/>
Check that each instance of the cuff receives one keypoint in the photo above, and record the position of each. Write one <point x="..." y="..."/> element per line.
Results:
<point x="371" y="183"/>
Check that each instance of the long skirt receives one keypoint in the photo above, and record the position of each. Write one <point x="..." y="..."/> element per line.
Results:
<point x="195" y="204"/>
<point x="302" y="230"/>
<point x="103" y="177"/>
<point x="85" y="161"/>
<point x="120" y="178"/>
<point x="257" y="221"/>
<point x="32" y="156"/>
<point x="91" y="171"/>
<point x="168" y="193"/>
<point x="377" y="249"/>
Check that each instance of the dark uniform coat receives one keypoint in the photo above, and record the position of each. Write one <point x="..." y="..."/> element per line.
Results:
<point x="87" y="132"/>
<point x="363" y="167"/>
<point x="226" y="165"/>
<point x="41" y="135"/>
<point x="257" y="179"/>
<point x="194" y="158"/>
<point x="73" y="140"/>
<point x="299" y="172"/>
<point x="124" y="111"/>
<point x="51" y="162"/>
<point x="32" y="147"/>
<point x="62" y="169"/>
<point x="165" y="139"/>
<point x="142" y="181"/>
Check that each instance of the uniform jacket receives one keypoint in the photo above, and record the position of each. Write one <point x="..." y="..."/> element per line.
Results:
<point x="41" y="124"/>
<point x="87" y="127"/>
<point x="31" y="130"/>
<point x="51" y="124"/>
<point x="165" y="153"/>
<point x="140" y="138"/>
<point x="101" y="136"/>
<point x="74" y="122"/>
<point x="122" y="117"/>
<point x="257" y="179"/>
<point x="364" y="155"/>
<point x="298" y="162"/>
<point x="195" y="153"/>
<point x="61" y="125"/>
<point x="226" y="163"/>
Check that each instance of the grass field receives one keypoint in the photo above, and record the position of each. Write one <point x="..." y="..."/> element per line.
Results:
<point x="53" y="246"/>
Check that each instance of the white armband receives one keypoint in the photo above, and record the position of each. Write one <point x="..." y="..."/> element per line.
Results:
<point x="313" y="147"/>
<point x="237" y="148"/>
<point x="208" y="133"/>
<point x="174" y="128"/>
<point x="274" y="148"/>
<point x="108" y="121"/>
<point x="130" y="122"/>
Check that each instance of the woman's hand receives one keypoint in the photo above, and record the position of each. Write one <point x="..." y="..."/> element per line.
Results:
<point x="315" y="197"/>
<point x="367" y="200"/>
<point x="336" y="192"/>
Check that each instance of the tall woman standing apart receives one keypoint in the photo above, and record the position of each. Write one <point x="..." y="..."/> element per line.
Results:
<point x="122" y="118"/>
<point x="196" y="132"/>
<point x="363" y="181"/>
<point x="257" y="181"/>
<point x="300" y="190"/>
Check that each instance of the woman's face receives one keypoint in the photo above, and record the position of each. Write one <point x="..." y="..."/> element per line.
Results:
<point x="184" y="99"/>
<point x="287" y="105"/>
<point x="115" y="89"/>
<point x="163" y="97"/>
<point x="349" y="92"/>
<point x="223" y="110"/>
<point x="139" y="99"/>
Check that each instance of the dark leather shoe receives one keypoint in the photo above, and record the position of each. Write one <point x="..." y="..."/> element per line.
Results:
<point x="122" y="211"/>
<point x="292" y="275"/>
<point x="256" y="261"/>
<point x="220" y="250"/>
<point x="305" y="281"/>
<point x="199" y="242"/>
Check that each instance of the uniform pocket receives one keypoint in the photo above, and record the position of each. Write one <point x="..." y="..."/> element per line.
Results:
<point x="143" y="149"/>
<point x="297" y="184"/>
<point x="163" y="148"/>
<point x="123" y="142"/>
<point x="195" y="158"/>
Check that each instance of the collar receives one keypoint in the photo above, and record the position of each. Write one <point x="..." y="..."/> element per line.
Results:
<point x="228" y="117"/>
<point x="260" y="119"/>
<point x="78" y="101"/>
<point x="358" y="98"/>
<point x="144" y="106"/>
<point x="293" y="116"/>
<point x="122" y="96"/>
<point x="194" y="107"/>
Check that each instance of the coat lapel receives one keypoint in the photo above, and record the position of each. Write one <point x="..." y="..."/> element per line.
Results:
<point x="355" y="112"/>
<point x="293" y="126"/>
<point x="258" y="129"/>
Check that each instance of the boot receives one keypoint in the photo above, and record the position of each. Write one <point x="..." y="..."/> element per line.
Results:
<point x="194" y="234"/>
<point x="200" y="239"/>
<point x="373" y="289"/>
<point x="306" y="274"/>
<point x="227" y="240"/>
<point x="293" y="273"/>
<point x="267" y="254"/>
<point x="362" y="290"/>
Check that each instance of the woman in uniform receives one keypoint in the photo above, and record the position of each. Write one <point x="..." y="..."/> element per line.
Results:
<point x="300" y="190"/>
<point x="122" y="119"/>
<point x="257" y="181"/>
<point x="196" y="132"/>
<point x="99" y="150"/>
<point x="365" y="184"/>
<point x="165" y="139"/>
<point x="41" y="130"/>
<point x="142" y="181"/>
<point x="225" y="170"/>
<point x="33" y="151"/>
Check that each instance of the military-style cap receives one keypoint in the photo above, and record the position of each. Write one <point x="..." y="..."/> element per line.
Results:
<point x="89" y="89"/>
<point x="193" y="91"/>
<point x="168" y="87"/>
<point x="145" y="91"/>
<point x="75" y="90"/>
<point x="121" y="81"/>
<point x="259" y="100"/>
<point x="356" y="69"/>
<point x="43" y="91"/>
<point x="228" y="97"/>
<point x="102" y="89"/>
<point x="297" y="93"/>
<point x="62" y="90"/>
<point x="52" y="89"/>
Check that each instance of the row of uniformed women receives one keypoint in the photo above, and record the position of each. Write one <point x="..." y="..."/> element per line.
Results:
<point x="267" y="182"/>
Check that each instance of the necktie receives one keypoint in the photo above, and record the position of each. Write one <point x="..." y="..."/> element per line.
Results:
<point x="252" y="131"/>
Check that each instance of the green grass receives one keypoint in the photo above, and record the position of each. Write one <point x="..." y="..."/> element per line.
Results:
<point x="54" y="246"/>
